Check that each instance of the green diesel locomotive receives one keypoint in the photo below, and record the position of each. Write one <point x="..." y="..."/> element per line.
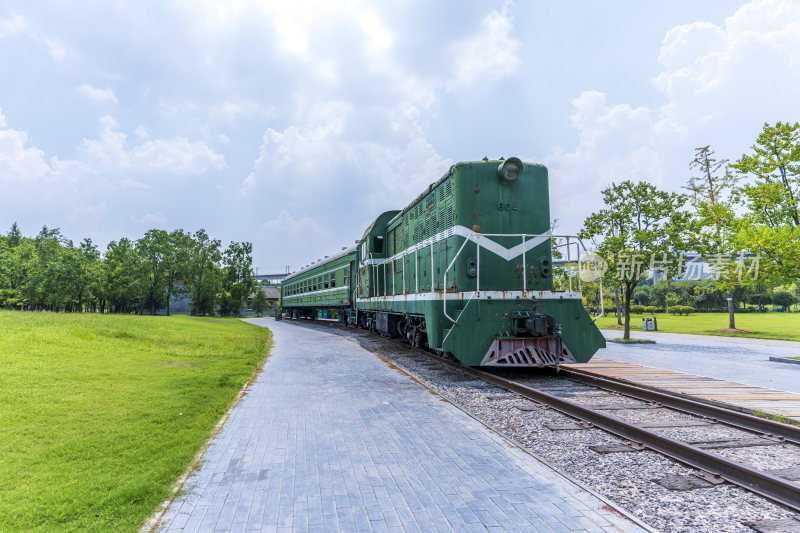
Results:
<point x="466" y="269"/>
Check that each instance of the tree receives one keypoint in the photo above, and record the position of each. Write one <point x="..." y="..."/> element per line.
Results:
<point x="177" y="253"/>
<point x="239" y="281"/>
<point x="260" y="303"/>
<point x="124" y="277"/>
<point x="81" y="267"/>
<point x="772" y="225"/>
<point x="715" y="221"/>
<point x="14" y="235"/>
<point x="640" y="227"/>
<point x="204" y="275"/>
<point x="153" y="249"/>
<point x="45" y="287"/>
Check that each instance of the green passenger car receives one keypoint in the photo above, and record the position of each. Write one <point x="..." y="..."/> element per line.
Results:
<point x="324" y="284"/>
<point x="466" y="269"/>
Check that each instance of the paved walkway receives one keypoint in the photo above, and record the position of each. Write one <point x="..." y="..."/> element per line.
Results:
<point x="331" y="438"/>
<point x="741" y="360"/>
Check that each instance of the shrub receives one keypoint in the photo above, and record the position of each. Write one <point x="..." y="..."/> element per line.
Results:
<point x="652" y="309"/>
<point x="783" y="299"/>
<point x="681" y="309"/>
<point x="637" y="309"/>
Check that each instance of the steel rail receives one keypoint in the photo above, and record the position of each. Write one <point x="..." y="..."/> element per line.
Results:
<point x="729" y="417"/>
<point x="762" y="483"/>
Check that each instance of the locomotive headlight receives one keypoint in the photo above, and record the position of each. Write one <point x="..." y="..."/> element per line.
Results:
<point x="509" y="170"/>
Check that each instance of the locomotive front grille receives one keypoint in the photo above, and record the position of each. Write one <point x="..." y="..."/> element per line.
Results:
<point x="536" y="352"/>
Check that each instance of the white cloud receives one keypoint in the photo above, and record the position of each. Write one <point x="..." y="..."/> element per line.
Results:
<point x="301" y="146"/>
<point x="742" y="75"/>
<point x="395" y="164"/>
<point x="18" y="24"/>
<point x="178" y="156"/>
<point x="151" y="219"/>
<point x="58" y="50"/>
<point x="379" y="38"/>
<point x="19" y="162"/>
<point x="295" y="22"/>
<point x="297" y="237"/>
<point x="96" y="95"/>
<point x="490" y="54"/>
<point x="15" y="24"/>
<point x="288" y="226"/>
<point x="135" y="184"/>
<point x="235" y="109"/>
<point x="614" y="144"/>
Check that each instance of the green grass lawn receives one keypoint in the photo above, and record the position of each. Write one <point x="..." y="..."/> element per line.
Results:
<point x="782" y="326"/>
<point x="100" y="414"/>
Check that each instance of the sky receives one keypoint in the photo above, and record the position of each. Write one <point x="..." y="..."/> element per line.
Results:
<point x="293" y="125"/>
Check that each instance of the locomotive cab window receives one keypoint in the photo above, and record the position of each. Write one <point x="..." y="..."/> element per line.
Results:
<point x="377" y="244"/>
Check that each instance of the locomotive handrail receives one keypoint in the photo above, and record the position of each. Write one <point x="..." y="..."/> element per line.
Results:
<point x="579" y="245"/>
<point x="570" y="240"/>
<point x="444" y="281"/>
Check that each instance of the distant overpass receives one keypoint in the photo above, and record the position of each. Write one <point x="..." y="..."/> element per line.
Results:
<point x="272" y="278"/>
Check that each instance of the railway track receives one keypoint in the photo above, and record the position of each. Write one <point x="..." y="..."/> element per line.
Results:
<point x="714" y="469"/>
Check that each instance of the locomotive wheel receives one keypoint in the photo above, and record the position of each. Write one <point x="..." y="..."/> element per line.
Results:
<point x="417" y="341"/>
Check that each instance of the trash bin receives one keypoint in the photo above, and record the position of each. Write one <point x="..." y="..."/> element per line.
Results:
<point x="325" y="314"/>
<point x="649" y="323"/>
<point x="278" y="313"/>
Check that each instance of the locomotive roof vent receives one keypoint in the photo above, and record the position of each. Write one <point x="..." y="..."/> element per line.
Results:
<point x="509" y="170"/>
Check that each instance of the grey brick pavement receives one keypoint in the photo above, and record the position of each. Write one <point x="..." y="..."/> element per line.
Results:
<point x="330" y="438"/>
